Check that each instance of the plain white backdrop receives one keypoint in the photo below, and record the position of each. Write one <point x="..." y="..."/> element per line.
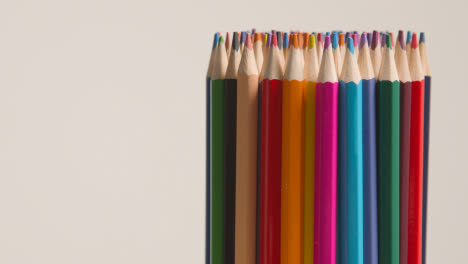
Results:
<point x="102" y="118"/>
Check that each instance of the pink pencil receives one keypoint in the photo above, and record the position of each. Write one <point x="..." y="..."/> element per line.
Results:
<point x="326" y="143"/>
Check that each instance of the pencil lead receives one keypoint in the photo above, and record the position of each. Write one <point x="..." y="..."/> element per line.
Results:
<point x="354" y="36"/>
<point x="279" y="39"/>
<point x="320" y="37"/>
<point x="391" y="38"/>
<point x="235" y="41"/>
<point x="274" y="41"/>
<point x="369" y="38"/>
<point x="388" y="41"/>
<point x="268" y="44"/>
<point x="401" y="39"/>
<point x="295" y="41"/>
<point x="228" y="39"/>
<point x="285" y="41"/>
<point x="327" y="42"/>
<point x="221" y="40"/>
<point x="257" y="37"/>
<point x="242" y="40"/>
<point x="248" y="42"/>
<point x="335" y="41"/>
<point x="375" y="39"/>
<point x="215" y="40"/>
<point x="341" y="39"/>
<point x="408" y="37"/>
<point x="311" y="41"/>
<point x="422" y="38"/>
<point x="363" y="40"/>
<point x="350" y="45"/>
<point x="414" y="41"/>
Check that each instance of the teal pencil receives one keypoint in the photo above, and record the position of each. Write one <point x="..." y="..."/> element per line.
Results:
<point x="350" y="162"/>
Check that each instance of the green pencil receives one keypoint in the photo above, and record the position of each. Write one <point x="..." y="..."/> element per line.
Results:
<point x="388" y="158"/>
<point x="217" y="152"/>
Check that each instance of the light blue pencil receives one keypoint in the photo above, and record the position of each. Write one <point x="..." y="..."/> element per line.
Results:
<point x="350" y="163"/>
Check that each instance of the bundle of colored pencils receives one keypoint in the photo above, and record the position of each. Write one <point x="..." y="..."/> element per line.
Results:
<point x="317" y="148"/>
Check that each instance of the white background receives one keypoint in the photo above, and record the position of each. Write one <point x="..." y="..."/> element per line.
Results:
<point x="102" y="118"/>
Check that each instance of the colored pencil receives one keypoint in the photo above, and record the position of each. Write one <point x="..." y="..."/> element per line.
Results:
<point x="257" y="47"/>
<point x="388" y="135"/>
<point x="230" y="124"/>
<point x="375" y="52"/>
<point x="326" y="147"/>
<point x="270" y="215"/>
<point x="311" y="71"/>
<point x="369" y="38"/>
<point x="350" y="162"/>
<point x="336" y="54"/>
<point x="217" y="152"/>
<point x="416" y="156"/>
<point x="369" y="154"/>
<point x="242" y="41"/>
<point x="292" y="159"/>
<point x="405" y="122"/>
<point x="267" y="49"/>
<point x="427" y="115"/>
<point x="246" y="157"/>
<point x="208" y="152"/>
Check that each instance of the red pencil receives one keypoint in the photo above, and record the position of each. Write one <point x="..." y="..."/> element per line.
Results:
<point x="270" y="196"/>
<point x="415" y="187"/>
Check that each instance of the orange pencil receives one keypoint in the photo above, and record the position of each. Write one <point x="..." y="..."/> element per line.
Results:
<point x="292" y="160"/>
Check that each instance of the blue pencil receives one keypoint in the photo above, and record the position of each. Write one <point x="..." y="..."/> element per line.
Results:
<point x="370" y="151"/>
<point x="350" y="162"/>
<point x="208" y="152"/>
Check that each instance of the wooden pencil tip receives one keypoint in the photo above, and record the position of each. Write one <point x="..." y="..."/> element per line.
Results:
<point x="295" y="41"/>
<point x="285" y="40"/>
<point x="355" y="40"/>
<point x="268" y="44"/>
<point x="414" y="41"/>
<point x="221" y="40"/>
<point x="243" y="36"/>
<point x="248" y="41"/>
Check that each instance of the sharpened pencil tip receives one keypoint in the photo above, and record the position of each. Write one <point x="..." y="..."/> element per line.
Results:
<point x="215" y="40"/>
<point x="258" y="37"/>
<point x="335" y="40"/>
<point x="408" y="37"/>
<point x="285" y="40"/>
<point x="350" y="45"/>
<point x="422" y="38"/>
<point x="401" y="39"/>
<point x="375" y="39"/>
<point x="235" y="41"/>
<point x="221" y="40"/>
<point x="341" y="41"/>
<point x="248" y="41"/>
<point x="320" y="37"/>
<point x="268" y="44"/>
<point x="274" y="40"/>
<point x="242" y="40"/>
<point x="414" y="41"/>
<point x="363" y="40"/>
<point x="311" y="41"/>
<point x="388" y="41"/>
<point x="295" y="41"/>
<point x="327" y="42"/>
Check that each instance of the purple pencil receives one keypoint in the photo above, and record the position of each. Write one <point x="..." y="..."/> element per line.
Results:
<point x="326" y="140"/>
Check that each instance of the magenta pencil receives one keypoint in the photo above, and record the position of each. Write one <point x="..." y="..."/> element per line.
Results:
<point x="326" y="143"/>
